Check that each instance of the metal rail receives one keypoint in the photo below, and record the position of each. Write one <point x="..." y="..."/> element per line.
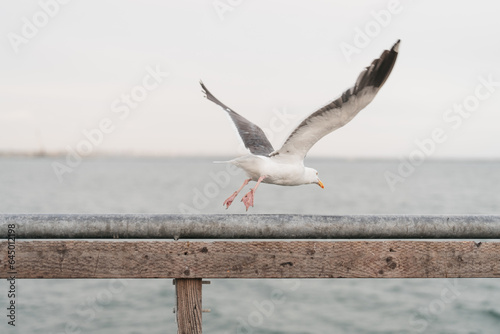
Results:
<point x="250" y="226"/>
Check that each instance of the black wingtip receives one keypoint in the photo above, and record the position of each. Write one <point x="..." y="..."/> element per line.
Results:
<point x="395" y="47"/>
<point x="380" y="69"/>
<point x="204" y="89"/>
<point x="208" y="94"/>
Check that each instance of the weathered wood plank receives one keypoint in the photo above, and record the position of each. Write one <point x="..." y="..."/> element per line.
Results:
<point x="253" y="259"/>
<point x="188" y="294"/>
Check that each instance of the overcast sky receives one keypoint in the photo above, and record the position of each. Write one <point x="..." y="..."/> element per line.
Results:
<point x="73" y="69"/>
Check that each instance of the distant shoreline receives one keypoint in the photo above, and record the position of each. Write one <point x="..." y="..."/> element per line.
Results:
<point x="60" y="155"/>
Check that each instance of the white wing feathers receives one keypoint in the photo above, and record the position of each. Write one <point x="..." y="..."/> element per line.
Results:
<point x="342" y="110"/>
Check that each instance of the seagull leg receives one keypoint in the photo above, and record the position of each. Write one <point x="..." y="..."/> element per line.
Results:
<point x="231" y="198"/>
<point x="248" y="198"/>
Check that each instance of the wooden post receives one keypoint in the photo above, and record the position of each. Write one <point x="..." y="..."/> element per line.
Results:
<point x="188" y="294"/>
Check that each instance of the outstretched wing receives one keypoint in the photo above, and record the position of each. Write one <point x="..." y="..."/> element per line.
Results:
<point x="253" y="137"/>
<point x="342" y="110"/>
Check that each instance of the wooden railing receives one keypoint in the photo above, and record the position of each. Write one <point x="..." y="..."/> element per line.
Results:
<point x="252" y="246"/>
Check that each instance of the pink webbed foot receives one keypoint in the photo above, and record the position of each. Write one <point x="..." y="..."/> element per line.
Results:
<point x="230" y="200"/>
<point x="248" y="199"/>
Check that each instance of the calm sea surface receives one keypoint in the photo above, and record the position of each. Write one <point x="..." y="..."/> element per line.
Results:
<point x="147" y="185"/>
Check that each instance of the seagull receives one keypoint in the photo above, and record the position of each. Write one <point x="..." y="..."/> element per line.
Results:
<point x="285" y="166"/>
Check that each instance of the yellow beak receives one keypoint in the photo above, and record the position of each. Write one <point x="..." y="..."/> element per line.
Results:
<point x="321" y="184"/>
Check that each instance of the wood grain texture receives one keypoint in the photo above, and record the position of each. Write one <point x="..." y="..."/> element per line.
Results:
<point x="189" y="303"/>
<point x="252" y="259"/>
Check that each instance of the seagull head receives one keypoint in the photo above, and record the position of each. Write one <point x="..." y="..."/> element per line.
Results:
<point x="312" y="177"/>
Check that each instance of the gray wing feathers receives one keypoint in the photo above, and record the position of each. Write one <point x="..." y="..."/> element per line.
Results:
<point x="253" y="137"/>
<point x="339" y="112"/>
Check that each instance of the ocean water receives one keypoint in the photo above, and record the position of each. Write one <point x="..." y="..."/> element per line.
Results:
<point x="161" y="185"/>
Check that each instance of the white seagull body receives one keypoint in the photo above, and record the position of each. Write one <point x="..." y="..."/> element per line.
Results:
<point x="286" y="166"/>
